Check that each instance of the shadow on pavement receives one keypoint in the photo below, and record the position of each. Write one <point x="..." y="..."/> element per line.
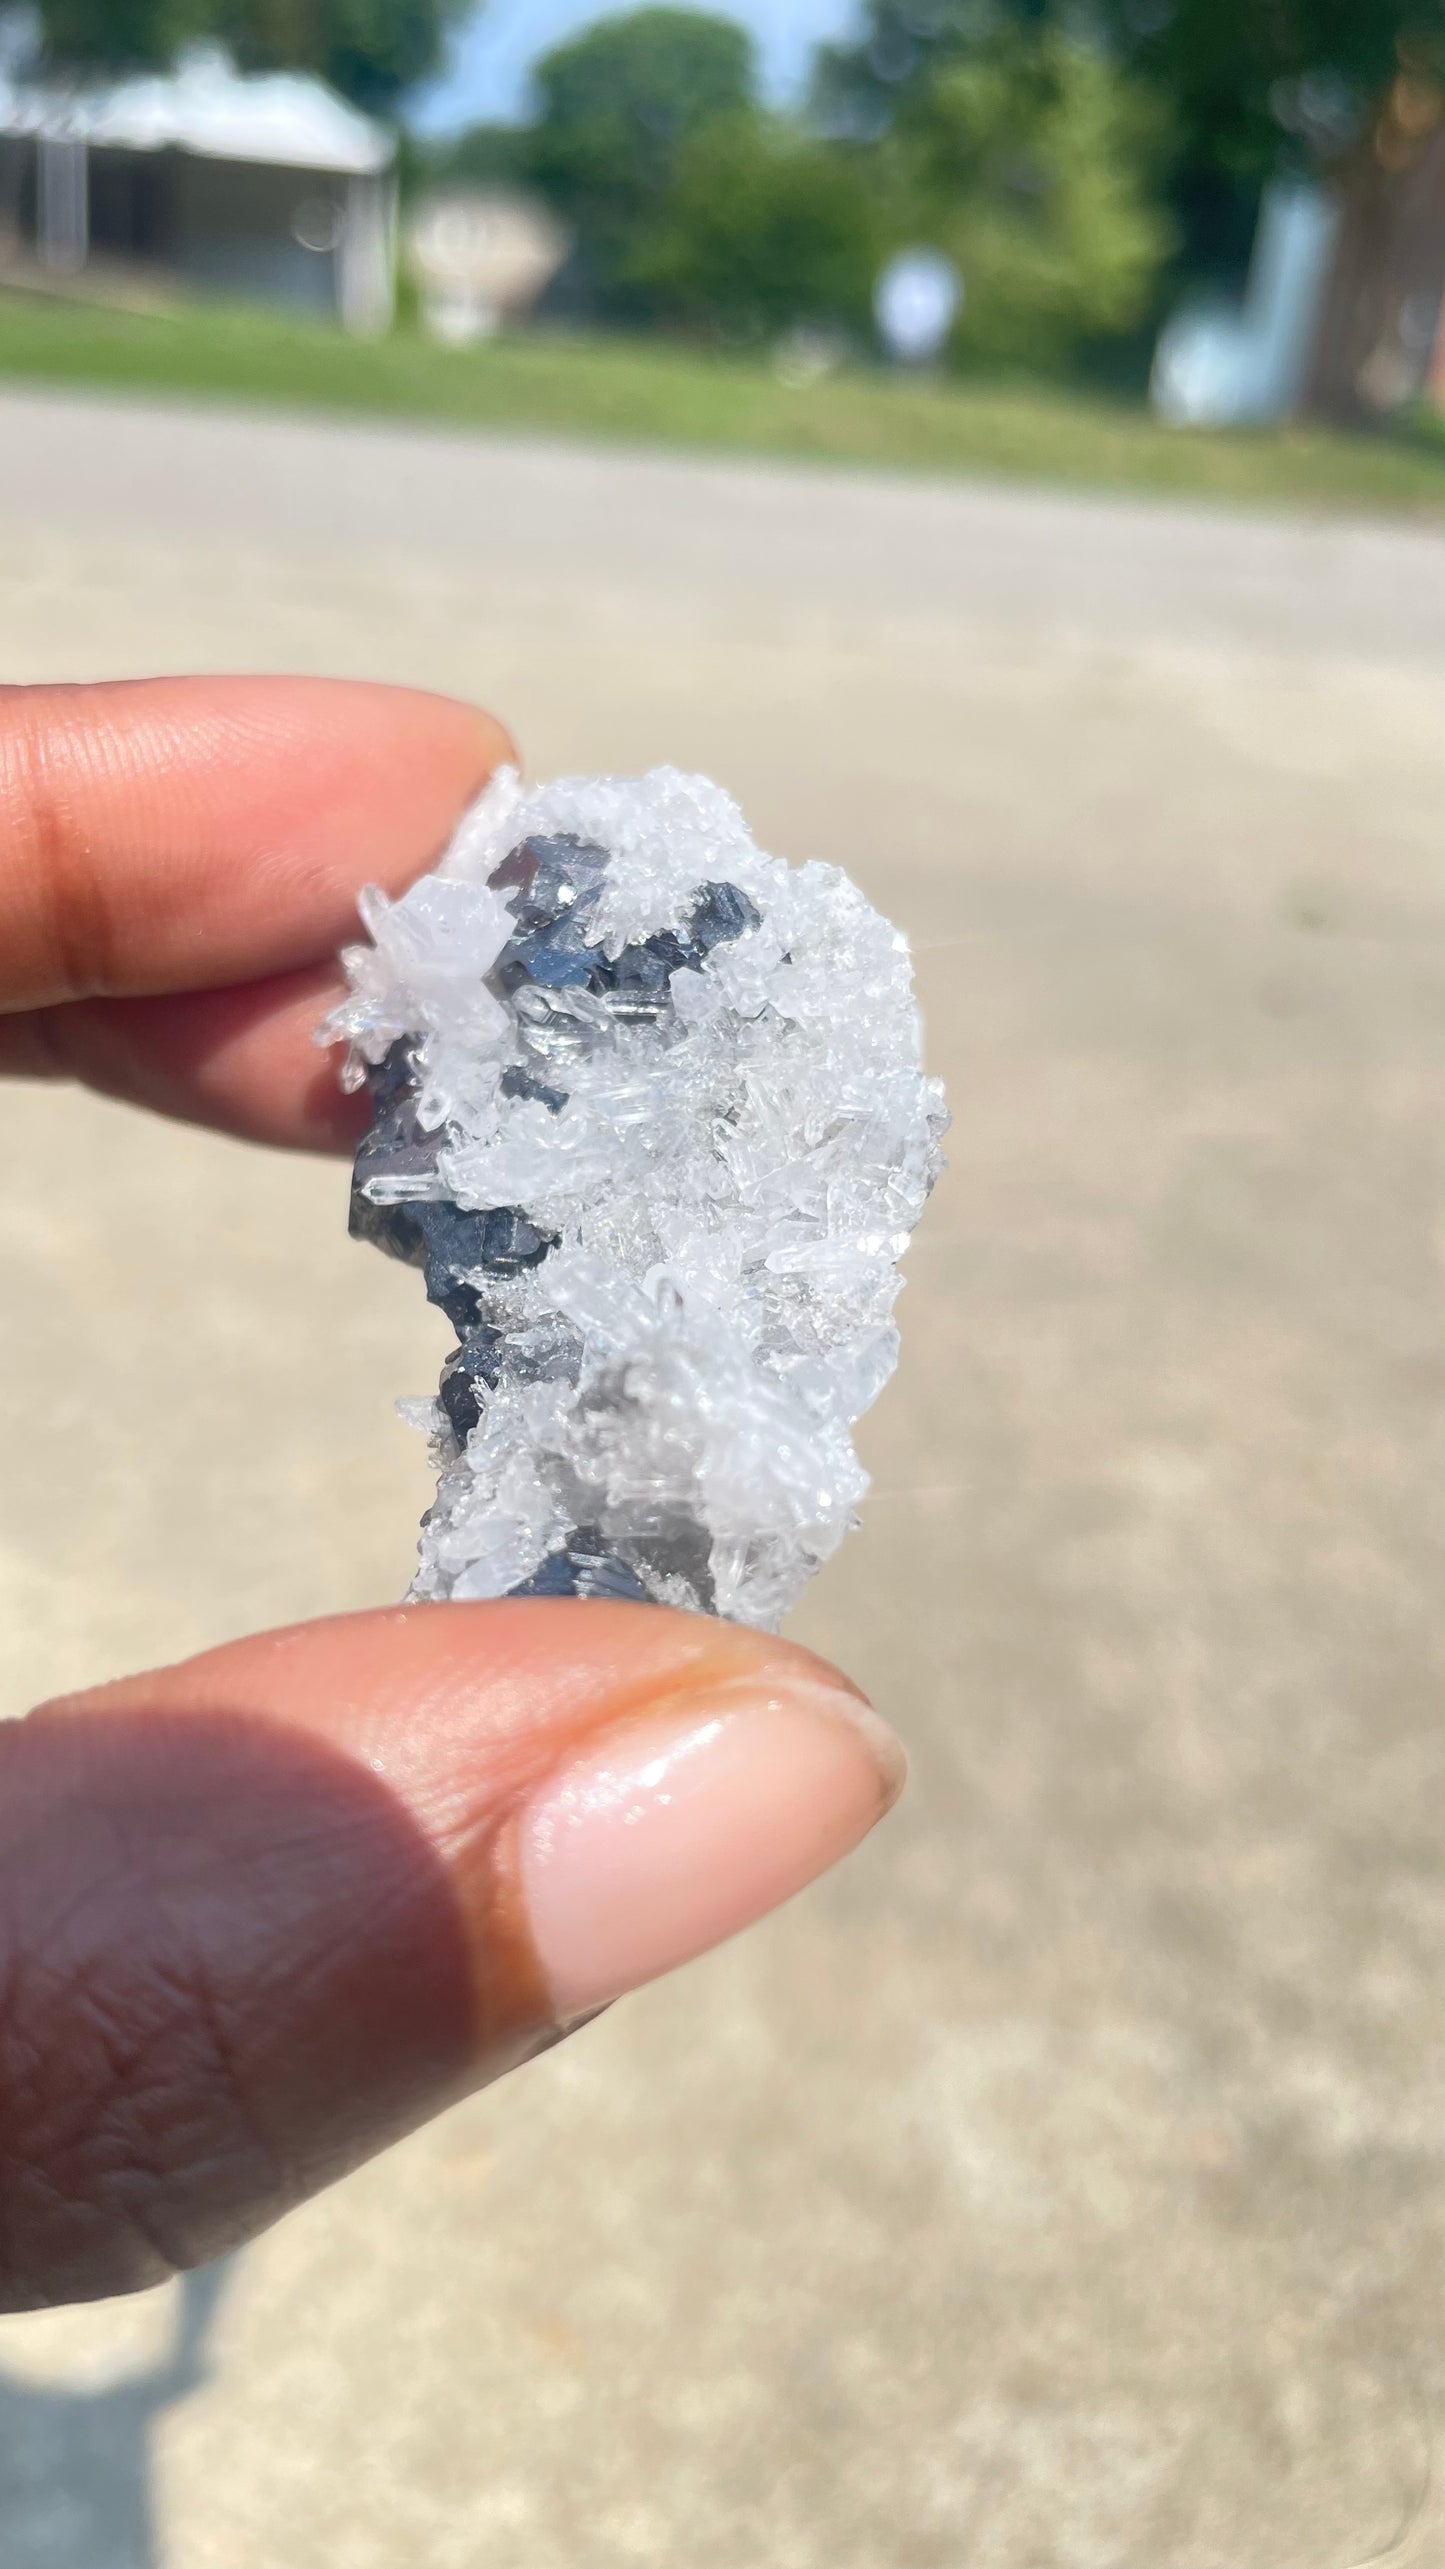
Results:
<point x="75" y="2465"/>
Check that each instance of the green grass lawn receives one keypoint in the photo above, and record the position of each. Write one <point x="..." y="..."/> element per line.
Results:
<point x="651" y="393"/>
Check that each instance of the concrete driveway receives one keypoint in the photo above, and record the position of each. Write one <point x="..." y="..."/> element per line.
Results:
<point x="1059" y="2186"/>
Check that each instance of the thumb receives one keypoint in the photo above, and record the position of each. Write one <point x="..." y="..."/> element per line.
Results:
<point x="266" y="1911"/>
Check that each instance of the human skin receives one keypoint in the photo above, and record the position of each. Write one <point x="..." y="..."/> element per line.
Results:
<point x="263" y="1912"/>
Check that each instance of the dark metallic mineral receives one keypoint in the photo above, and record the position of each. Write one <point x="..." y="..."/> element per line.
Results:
<point x="396" y="1145"/>
<point x="475" y="1364"/>
<point x="722" y="913"/>
<point x="584" y="1567"/>
<point x="525" y="1083"/>
<point x="450" y="1244"/>
<point x="546" y="1353"/>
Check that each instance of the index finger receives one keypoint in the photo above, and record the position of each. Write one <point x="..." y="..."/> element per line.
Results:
<point x="185" y="833"/>
<point x="171" y="837"/>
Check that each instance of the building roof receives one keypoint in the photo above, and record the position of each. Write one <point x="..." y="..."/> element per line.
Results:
<point x="208" y="107"/>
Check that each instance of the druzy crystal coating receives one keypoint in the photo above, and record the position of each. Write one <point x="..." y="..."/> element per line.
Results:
<point x="650" y="1117"/>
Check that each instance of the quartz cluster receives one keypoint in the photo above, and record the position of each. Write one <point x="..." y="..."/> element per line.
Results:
<point x="649" y="1115"/>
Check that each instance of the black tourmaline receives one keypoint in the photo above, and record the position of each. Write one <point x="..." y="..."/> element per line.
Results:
<point x="466" y="1256"/>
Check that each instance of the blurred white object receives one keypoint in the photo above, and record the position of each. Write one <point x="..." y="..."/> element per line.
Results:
<point x="480" y="255"/>
<point x="62" y="203"/>
<point x="1234" y="366"/>
<point x="807" y="353"/>
<point x="915" y="303"/>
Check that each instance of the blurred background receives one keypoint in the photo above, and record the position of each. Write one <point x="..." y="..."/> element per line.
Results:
<point x="1003" y="444"/>
<point x="1022" y="234"/>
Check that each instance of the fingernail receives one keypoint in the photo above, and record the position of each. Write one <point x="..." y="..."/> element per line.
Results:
<point x="672" y="1832"/>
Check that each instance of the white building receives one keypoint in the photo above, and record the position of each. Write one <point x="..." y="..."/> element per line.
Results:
<point x="481" y="256"/>
<point x="269" y="187"/>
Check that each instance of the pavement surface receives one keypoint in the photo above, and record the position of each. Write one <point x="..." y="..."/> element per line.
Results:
<point x="1058" y="2186"/>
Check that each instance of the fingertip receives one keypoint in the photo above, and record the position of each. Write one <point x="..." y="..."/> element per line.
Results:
<point x="311" y="1887"/>
<point x="671" y="1832"/>
<point x="183" y="958"/>
<point x="193" y="832"/>
<point x="659" y="1779"/>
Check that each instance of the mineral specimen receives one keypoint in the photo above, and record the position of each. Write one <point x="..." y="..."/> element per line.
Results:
<point x="649" y="1116"/>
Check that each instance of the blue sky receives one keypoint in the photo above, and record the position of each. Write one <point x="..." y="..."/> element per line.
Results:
<point x="493" y="54"/>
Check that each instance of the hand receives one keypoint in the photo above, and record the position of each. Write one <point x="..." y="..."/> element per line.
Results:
<point x="262" y="1913"/>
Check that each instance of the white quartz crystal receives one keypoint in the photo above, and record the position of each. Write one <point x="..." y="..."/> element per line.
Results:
<point x="661" y="1188"/>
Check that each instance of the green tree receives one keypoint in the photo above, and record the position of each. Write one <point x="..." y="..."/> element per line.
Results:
<point x="119" y="35"/>
<point x="617" y="107"/>
<point x="482" y="156"/>
<point x="1031" y="161"/>
<point x="1240" y="75"/>
<point x="1228" y="67"/>
<point x="859" y="89"/>
<point x="1245" y="81"/>
<point x="763" y="226"/>
<point x="371" y="50"/>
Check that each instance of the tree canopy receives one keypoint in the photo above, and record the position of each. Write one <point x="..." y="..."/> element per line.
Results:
<point x="763" y="227"/>
<point x="1236" y="75"/>
<point x="1240" y="84"/>
<point x="643" y="83"/>
<point x="617" y="107"/>
<point x="371" y="50"/>
<point x="120" y="35"/>
<point x="1032" y="160"/>
<point x="1240" y="74"/>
